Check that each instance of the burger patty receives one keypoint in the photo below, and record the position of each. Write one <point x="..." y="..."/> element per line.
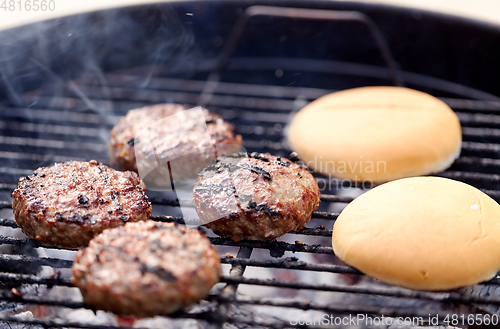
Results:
<point x="146" y="269"/>
<point x="187" y="142"/>
<point x="255" y="197"/>
<point x="67" y="204"/>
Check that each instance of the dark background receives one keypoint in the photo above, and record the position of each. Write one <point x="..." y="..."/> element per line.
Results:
<point x="459" y="50"/>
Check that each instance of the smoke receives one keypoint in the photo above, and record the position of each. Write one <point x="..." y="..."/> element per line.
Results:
<point x="56" y="68"/>
<point x="88" y="45"/>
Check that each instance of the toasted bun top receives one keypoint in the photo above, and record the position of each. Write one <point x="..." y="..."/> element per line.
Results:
<point x="376" y="133"/>
<point x="424" y="233"/>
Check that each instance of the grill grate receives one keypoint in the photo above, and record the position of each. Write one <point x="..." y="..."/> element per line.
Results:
<point x="48" y="132"/>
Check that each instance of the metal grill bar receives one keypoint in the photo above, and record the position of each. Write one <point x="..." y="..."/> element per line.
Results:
<point x="5" y="204"/>
<point x="166" y="218"/>
<point x="229" y="290"/>
<point x="8" y="223"/>
<point x="301" y="305"/>
<point x="36" y="157"/>
<point x="64" y="116"/>
<point x="291" y="263"/>
<point x="33" y="279"/>
<point x="476" y="105"/>
<point x="46" y="143"/>
<point x="287" y="263"/>
<point x="131" y="81"/>
<point x="480" y="101"/>
<point x="29" y="260"/>
<point x="55" y="323"/>
<point x="185" y="86"/>
<point x="332" y="309"/>
<point x="486" y="120"/>
<point x="7" y="186"/>
<point x="472" y="176"/>
<point x="483" y="162"/>
<point x="50" y="129"/>
<point x="67" y="132"/>
<point x="276" y="246"/>
<point x="400" y="293"/>
<point x="320" y="231"/>
<point x="258" y="104"/>
<point x="235" y="278"/>
<point x="480" y="132"/>
<point x="200" y="316"/>
<point x="480" y="147"/>
<point x="6" y="296"/>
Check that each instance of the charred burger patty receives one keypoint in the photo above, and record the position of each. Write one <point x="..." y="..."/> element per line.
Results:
<point x="146" y="269"/>
<point x="170" y="134"/>
<point x="255" y="196"/>
<point x="67" y="204"/>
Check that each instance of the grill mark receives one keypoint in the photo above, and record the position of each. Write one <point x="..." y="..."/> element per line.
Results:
<point x="144" y="268"/>
<point x="156" y="243"/>
<point x="281" y="163"/>
<point x="263" y="207"/>
<point x="158" y="271"/>
<point x="231" y="167"/>
<point x="257" y="170"/>
<point x="77" y="218"/>
<point x="258" y="156"/>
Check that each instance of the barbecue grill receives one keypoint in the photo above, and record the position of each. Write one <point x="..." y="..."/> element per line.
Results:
<point x="64" y="83"/>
